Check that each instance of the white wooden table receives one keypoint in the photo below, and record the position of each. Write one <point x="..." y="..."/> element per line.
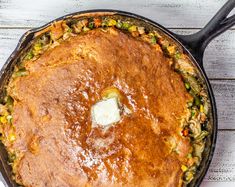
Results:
<point x="182" y="16"/>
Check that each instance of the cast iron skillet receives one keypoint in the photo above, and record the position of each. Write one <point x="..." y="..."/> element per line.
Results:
<point x="193" y="45"/>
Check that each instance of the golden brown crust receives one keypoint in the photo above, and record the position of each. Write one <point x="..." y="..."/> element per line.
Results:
<point x="52" y="107"/>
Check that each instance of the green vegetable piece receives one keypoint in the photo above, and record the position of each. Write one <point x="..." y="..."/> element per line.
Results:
<point x="187" y="85"/>
<point x="69" y="30"/>
<point x="91" y="25"/>
<point x="202" y="136"/>
<point x="29" y="55"/>
<point x="189" y="155"/>
<point x="21" y="73"/>
<point x="193" y="113"/>
<point x="193" y="83"/>
<point x="197" y="101"/>
<point x="153" y="40"/>
<point x="11" y="157"/>
<point x="125" y="25"/>
<point x="177" y="55"/>
<point x="132" y="28"/>
<point x="9" y="100"/>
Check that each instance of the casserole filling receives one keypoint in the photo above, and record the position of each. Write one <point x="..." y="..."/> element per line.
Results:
<point x="84" y="66"/>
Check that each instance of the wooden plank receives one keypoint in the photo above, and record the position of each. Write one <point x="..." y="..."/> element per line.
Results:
<point x="217" y="184"/>
<point x="224" y="91"/>
<point x="2" y="181"/>
<point x="219" y="58"/>
<point x="8" y="41"/>
<point x="170" y="13"/>
<point x="222" y="168"/>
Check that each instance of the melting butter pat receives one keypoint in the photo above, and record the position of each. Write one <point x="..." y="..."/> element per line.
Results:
<point x="105" y="112"/>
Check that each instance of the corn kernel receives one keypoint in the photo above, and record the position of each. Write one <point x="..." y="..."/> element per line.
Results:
<point x="184" y="168"/>
<point x="112" y="22"/>
<point x="132" y="28"/>
<point x="201" y="108"/>
<point x="171" y="50"/>
<point x="11" y="137"/>
<point x="3" y="119"/>
<point x="37" y="46"/>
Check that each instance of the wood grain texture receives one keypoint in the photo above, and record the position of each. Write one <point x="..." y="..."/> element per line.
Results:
<point x="8" y="42"/>
<point x="224" y="91"/>
<point x="217" y="184"/>
<point x="222" y="168"/>
<point x="2" y="181"/>
<point x="170" y="13"/>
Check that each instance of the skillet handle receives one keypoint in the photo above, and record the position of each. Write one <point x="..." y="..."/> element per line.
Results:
<point x="196" y="43"/>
